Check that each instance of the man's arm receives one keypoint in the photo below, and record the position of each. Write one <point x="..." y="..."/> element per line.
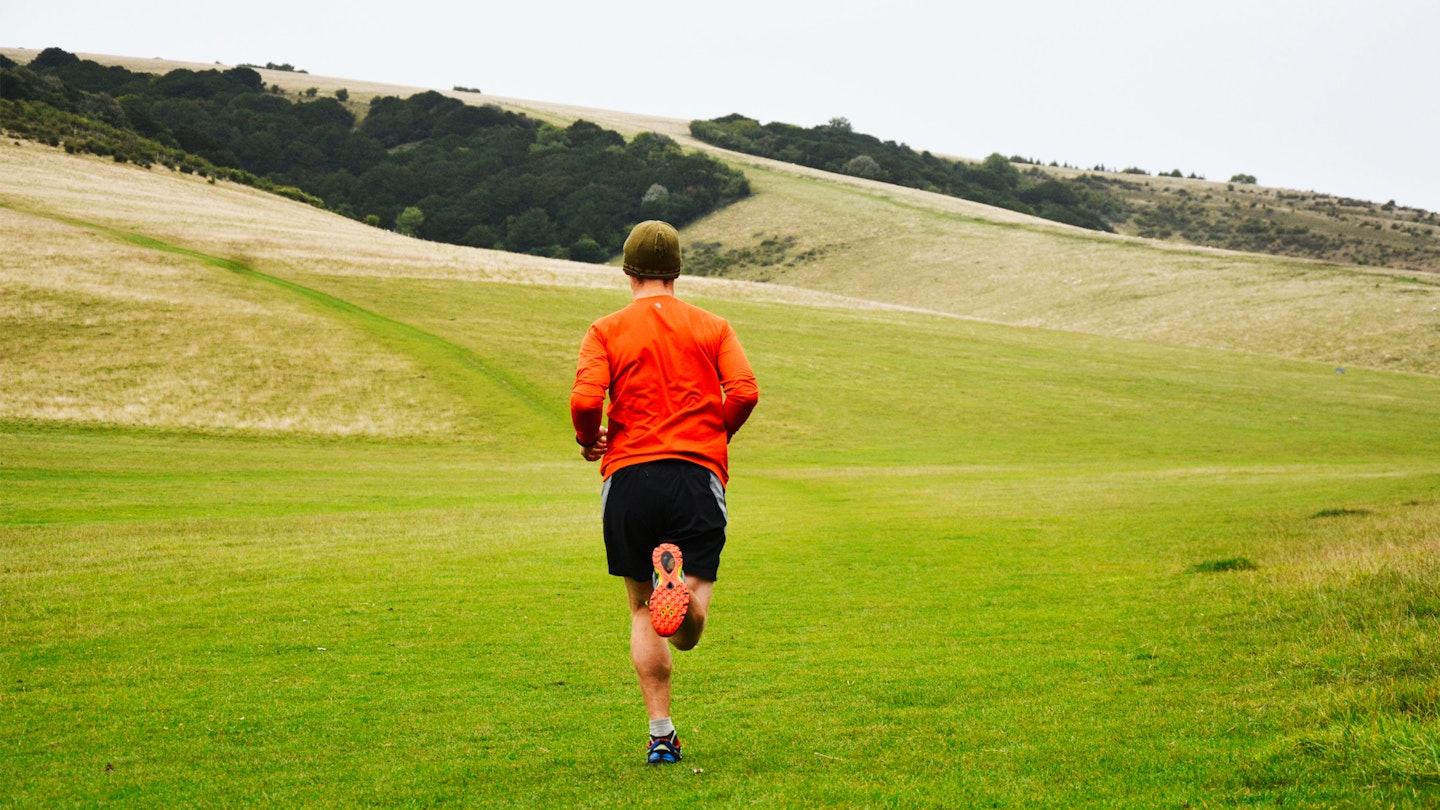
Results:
<point x="587" y="397"/>
<point x="742" y="393"/>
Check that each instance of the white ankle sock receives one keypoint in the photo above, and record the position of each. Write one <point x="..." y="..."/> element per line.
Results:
<point x="662" y="727"/>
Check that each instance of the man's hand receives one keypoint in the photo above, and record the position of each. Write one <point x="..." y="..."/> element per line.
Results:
<point x="599" y="448"/>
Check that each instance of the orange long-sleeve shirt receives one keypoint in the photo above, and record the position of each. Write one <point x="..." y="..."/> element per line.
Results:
<point x="679" y="385"/>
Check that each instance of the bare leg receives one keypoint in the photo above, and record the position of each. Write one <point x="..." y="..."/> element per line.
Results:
<point x="650" y="653"/>
<point x="689" y="633"/>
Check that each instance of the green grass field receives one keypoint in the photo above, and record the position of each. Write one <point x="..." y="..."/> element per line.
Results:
<point x="963" y="571"/>
<point x="971" y="564"/>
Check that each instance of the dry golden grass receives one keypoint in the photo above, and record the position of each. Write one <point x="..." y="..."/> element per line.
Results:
<point x="1348" y="545"/>
<point x="99" y="331"/>
<point x="282" y="237"/>
<point x="924" y="250"/>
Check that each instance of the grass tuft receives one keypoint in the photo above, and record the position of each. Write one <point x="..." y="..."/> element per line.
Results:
<point x="1220" y="566"/>
<point x="1329" y="513"/>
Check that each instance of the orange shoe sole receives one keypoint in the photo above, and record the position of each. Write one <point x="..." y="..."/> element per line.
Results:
<point x="670" y="599"/>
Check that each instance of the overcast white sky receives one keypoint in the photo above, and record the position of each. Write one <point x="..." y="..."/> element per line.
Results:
<point x="1339" y="96"/>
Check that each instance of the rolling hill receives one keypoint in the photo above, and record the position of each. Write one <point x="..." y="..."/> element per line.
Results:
<point x="113" y="242"/>
<point x="1234" y="215"/>
<point x="861" y="239"/>
<point x="290" y="512"/>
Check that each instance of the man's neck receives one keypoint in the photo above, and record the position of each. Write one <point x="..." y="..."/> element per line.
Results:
<point x="650" y="287"/>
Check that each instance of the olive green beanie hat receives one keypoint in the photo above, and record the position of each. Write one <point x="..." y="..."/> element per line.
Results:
<point x="653" y="251"/>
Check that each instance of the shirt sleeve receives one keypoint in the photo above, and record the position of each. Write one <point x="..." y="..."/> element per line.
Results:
<point x="592" y="379"/>
<point x="737" y="380"/>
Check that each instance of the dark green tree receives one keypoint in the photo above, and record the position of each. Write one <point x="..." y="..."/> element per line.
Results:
<point x="864" y="166"/>
<point x="53" y="58"/>
<point x="409" y="221"/>
<point x="530" y="232"/>
<point x="586" y="249"/>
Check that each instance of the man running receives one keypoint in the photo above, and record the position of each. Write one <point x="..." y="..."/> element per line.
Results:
<point x="679" y="387"/>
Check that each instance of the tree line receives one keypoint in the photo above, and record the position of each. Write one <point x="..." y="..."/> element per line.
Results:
<point x="428" y="164"/>
<point x="836" y="147"/>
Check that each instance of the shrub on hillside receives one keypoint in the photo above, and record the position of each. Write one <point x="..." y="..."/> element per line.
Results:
<point x="996" y="172"/>
<point x="531" y="232"/>
<point x="409" y="221"/>
<point x="586" y="249"/>
<point x="864" y="166"/>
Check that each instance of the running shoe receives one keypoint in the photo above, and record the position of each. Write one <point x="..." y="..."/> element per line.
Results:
<point x="664" y="750"/>
<point x="669" y="598"/>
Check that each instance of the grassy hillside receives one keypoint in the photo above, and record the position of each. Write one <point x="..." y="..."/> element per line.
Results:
<point x="873" y="241"/>
<point x="110" y="325"/>
<point x="290" y="513"/>
<point x="1244" y="216"/>
<point x="1234" y="215"/>
<point x="921" y="250"/>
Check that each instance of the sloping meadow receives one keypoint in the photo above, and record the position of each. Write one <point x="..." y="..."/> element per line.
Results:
<point x="969" y="562"/>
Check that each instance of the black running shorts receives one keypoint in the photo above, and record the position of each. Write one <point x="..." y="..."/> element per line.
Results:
<point x="665" y="501"/>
